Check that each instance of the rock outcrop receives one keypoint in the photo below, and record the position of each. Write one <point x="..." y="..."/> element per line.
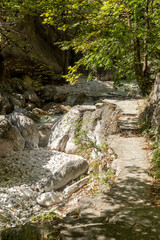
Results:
<point x="82" y="123"/>
<point x="17" y="101"/>
<point x="151" y="114"/>
<point x="31" y="96"/>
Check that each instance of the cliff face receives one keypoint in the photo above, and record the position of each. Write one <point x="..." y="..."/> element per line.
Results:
<point x="32" y="50"/>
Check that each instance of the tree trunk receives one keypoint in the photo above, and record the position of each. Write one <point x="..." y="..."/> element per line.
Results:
<point x="142" y="75"/>
<point x="141" y="65"/>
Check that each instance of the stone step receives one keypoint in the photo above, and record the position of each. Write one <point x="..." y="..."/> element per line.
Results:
<point x="128" y="123"/>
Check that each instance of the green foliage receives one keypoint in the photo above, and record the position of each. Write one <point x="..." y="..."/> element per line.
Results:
<point x="96" y="154"/>
<point x="156" y="162"/>
<point x="155" y="170"/>
<point x="119" y="36"/>
<point x="40" y="227"/>
<point x="26" y="233"/>
<point x="108" y="177"/>
<point x="72" y="75"/>
<point x="51" y="215"/>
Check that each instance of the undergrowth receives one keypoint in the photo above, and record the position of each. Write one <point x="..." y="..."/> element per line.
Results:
<point x="97" y="155"/>
<point x="155" y="164"/>
<point x="49" y="216"/>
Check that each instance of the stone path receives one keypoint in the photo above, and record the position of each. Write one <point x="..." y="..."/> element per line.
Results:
<point x="130" y="113"/>
<point x="126" y="211"/>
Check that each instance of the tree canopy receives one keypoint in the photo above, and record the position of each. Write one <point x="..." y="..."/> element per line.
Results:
<point x="119" y="36"/>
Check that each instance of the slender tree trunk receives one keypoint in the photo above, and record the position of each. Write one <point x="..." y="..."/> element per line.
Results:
<point x="146" y="17"/>
<point x="141" y="64"/>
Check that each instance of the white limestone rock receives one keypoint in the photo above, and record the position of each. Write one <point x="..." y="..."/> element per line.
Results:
<point x="93" y="123"/>
<point x="67" y="172"/>
<point x="75" y="186"/>
<point x="49" y="199"/>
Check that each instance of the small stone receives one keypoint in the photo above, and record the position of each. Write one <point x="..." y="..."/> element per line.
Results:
<point x="99" y="105"/>
<point x="36" y="208"/>
<point x="10" y="205"/>
<point x="27" y="192"/>
<point x="23" y="219"/>
<point x="49" y="198"/>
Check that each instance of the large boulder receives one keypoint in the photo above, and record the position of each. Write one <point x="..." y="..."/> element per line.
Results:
<point x="82" y="123"/>
<point x="56" y="108"/>
<point x="85" y="92"/>
<point x="29" y="114"/>
<point x="68" y="171"/>
<point x="17" y="101"/>
<point x="60" y="97"/>
<point x="48" y="93"/>
<point x="10" y="138"/>
<point x="31" y="96"/>
<point x="82" y="98"/>
<point x="26" y="126"/>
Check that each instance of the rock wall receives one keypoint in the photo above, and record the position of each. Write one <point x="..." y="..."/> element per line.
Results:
<point x="151" y="114"/>
<point x="34" y="51"/>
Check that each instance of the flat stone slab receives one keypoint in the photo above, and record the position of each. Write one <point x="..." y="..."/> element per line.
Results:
<point x="128" y="107"/>
<point x="128" y="123"/>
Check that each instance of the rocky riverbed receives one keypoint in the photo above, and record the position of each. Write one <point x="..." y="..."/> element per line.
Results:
<point x="23" y="176"/>
<point x="35" y="179"/>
